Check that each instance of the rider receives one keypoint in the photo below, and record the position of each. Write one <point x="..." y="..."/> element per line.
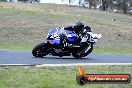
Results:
<point x="80" y="29"/>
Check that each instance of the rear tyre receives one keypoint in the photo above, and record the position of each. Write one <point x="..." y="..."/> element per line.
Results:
<point x="89" y="51"/>
<point x="76" y="55"/>
<point x="40" y="50"/>
<point x="83" y="52"/>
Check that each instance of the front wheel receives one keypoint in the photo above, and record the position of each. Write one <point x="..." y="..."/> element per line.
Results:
<point x="40" y="50"/>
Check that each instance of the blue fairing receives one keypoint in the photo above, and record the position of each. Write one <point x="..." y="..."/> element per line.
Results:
<point x="52" y="30"/>
<point x="71" y="37"/>
<point x="52" y="40"/>
<point x="55" y="40"/>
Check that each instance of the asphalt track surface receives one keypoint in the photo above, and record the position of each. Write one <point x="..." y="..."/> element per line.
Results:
<point x="25" y="57"/>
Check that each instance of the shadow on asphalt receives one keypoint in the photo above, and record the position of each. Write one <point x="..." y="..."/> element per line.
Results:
<point x="55" y="57"/>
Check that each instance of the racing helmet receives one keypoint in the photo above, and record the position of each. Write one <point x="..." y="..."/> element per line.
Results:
<point x="79" y="27"/>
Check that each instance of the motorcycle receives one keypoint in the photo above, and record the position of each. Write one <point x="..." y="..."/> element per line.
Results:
<point x="57" y="44"/>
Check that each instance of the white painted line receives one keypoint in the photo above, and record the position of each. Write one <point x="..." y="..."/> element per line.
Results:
<point x="17" y="65"/>
<point x="81" y="64"/>
<point x="58" y="65"/>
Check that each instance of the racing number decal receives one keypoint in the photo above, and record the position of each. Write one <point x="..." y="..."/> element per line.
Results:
<point x="55" y="35"/>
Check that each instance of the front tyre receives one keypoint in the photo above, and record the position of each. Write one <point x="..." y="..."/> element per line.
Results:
<point x="40" y="50"/>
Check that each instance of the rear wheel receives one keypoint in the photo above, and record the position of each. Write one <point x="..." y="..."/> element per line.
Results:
<point x="85" y="50"/>
<point x="89" y="50"/>
<point x="77" y="55"/>
<point x="40" y="50"/>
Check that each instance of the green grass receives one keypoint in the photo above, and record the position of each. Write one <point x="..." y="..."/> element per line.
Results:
<point x="56" y="77"/>
<point x="112" y="51"/>
<point x="17" y="46"/>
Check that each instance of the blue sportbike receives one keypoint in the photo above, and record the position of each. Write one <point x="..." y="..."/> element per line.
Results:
<point x="62" y="42"/>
